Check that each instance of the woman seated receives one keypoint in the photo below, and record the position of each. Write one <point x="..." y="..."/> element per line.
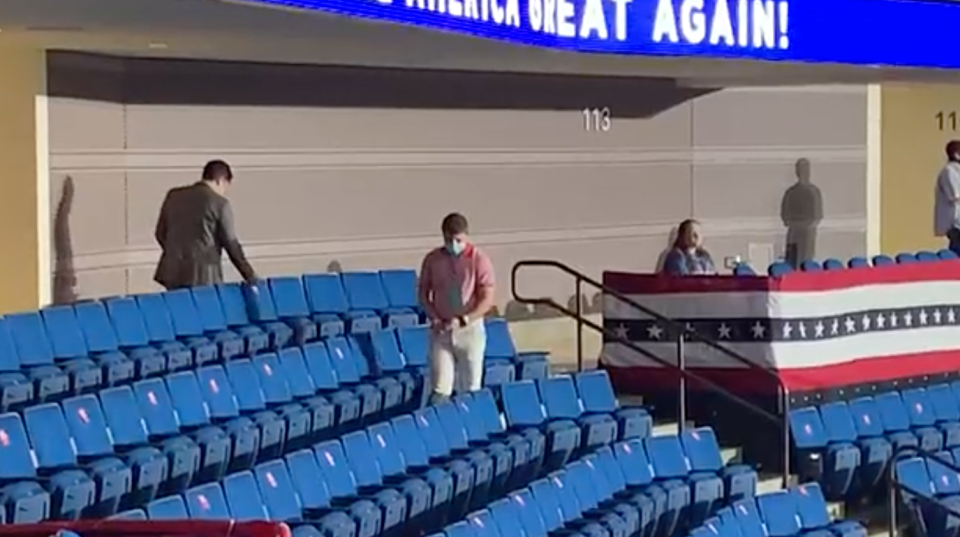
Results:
<point x="687" y="257"/>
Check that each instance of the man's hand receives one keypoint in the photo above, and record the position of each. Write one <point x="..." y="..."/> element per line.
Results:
<point x="441" y="325"/>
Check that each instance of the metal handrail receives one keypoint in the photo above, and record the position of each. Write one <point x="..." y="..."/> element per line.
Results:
<point x="680" y="367"/>
<point x="895" y="489"/>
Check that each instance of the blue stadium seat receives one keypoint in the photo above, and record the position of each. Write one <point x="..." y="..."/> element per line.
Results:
<point x="833" y="264"/>
<point x="882" y="261"/>
<point x="291" y="306"/>
<point x="72" y="491"/>
<point x="388" y="455"/>
<point x="743" y="269"/>
<point x="243" y="497"/>
<point x="382" y="349"/>
<point x="95" y="453"/>
<point x="904" y="258"/>
<point x="812" y="511"/>
<point x="481" y="419"/>
<point x="434" y="438"/>
<point x="234" y="307"/>
<point x="347" y="405"/>
<point x="365" y="294"/>
<point x="278" y="493"/>
<point x="169" y="508"/>
<point x="366" y="469"/>
<point x="811" y="265"/>
<point x="194" y="417"/>
<point x="671" y="472"/>
<point x="926" y="507"/>
<point x="346" y="364"/>
<point x="24" y="501"/>
<point x="454" y="429"/>
<point x="190" y="328"/>
<point x="214" y="323"/>
<point x="946" y="254"/>
<point x="925" y="256"/>
<point x="655" y="506"/>
<point x="392" y="391"/>
<point x="135" y="341"/>
<point x="15" y="389"/>
<point x="262" y="311"/>
<point x="417" y="458"/>
<point x="525" y="414"/>
<point x="559" y="397"/>
<point x="163" y="425"/>
<point x="103" y="343"/>
<point x="306" y="424"/>
<point x="137" y="515"/>
<point x="500" y="347"/>
<point x="333" y="463"/>
<point x="825" y="454"/>
<point x="702" y="449"/>
<point x="400" y="287"/>
<point x="876" y="450"/>
<point x="779" y="268"/>
<point x="589" y="485"/>
<point x="923" y="419"/>
<point x="163" y="335"/>
<point x="897" y="421"/>
<point x="315" y="496"/>
<point x="207" y="502"/>
<point x="328" y="302"/>
<point x="858" y="262"/>
<point x="247" y="438"/>
<point x="779" y="512"/>
<point x="70" y="349"/>
<point x="415" y="346"/>
<point x="946" y="413"/>
<point x="295" y="371"/>
<point x="36" y="355"/>
<point x="598" y="398"/>
<point x="274" y="429"/>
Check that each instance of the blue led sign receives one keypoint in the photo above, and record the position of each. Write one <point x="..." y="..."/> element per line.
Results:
<point x="907" y="33"/>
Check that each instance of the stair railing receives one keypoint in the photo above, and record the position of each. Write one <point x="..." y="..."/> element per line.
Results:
<point x="684" y="334"/>
<point x="896" y="489"/>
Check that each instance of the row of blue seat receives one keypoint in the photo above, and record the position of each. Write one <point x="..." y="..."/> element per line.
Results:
<point x="657" y="486"/>
<point x="848" y="445"/>
<point x="932" y="491"/>
<point x="801" y="510"/>
<point x="780" y="268"/>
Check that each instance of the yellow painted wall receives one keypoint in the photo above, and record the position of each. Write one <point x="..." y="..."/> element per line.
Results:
<point x="913" y="137"/>
<point x="24" y="212"/>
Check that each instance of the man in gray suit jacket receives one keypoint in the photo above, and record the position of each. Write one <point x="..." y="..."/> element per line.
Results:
<point x="195" y="226"/>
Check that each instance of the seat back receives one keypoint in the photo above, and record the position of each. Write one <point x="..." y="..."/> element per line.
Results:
<point x="385" y="448"/>
<point x="807" y="428"/>
<point x="431" y="432"/>
<point x="209" y="309"/>
<point x="567" y="494"/>
<point x="912" y="474"/>
<point x="608" y="464"/>
<point x="187" y="399"/>
<point x="64" y="332"/>
<point x="811" y="265"/>
<point x="946" y="254"/>
<point x="217" y="392"/>
<point x="779" y="268"/>
<point x="893" y="412"/>
<point x="49" y="436"/>
<point x="666" y="455"/>
<point x="95" y="324"/>
<point x="169" y="508"/>
<point x="343" y="360"/>
<point x="16" y="462"/>
<point x="945" y="480"/>
<point x="122" y="412"/>
<point x="634" y="463"/>
<point x="276" y="389"/>
<point x="838" y="422"/>
<point x="499" y="341"/>
<point x="702" y="450"/>
<point x="485" y="407"/>
<point x="882" y="261"/>
<point x="364" y="291"/>
<point x="811" y="506"/>
<point x="128" y="322"/>
<point x="320" y="366"/>
<point x="289" y="297"/>
<point x="400" y="287"/>
<point x="459" y="529"/>
<point x="580" y="477"/>
<point x="243" y="497"/>
<point x="246" y="386"/>
<point x="278" y="493"/>
<point x="386" y="351"/>
<point x="30" y="339"/>
<point x="521" y="404"/>
<point x="335" y="468"/>
<point x="156" y="317"/>
<point x="866" y="416"/>
<point x="505" y="515"/>
<point x="833" y="264"/>
<point x="596" y="391"/>
<point x="748" y="517"/>
<point x="9" y="357"/>
<point x="362" y="459"/>
<point x="297" y="374"/>
<point x="545" y="496"/>
<point x="858" y="262"/>
<point x="944" y="403"/>
<point x="919" y="407"/>
<point x="927" y="257"/>
<point x="559" y="397"/>
<point x="779" y="511"/>
<point x="183" y="312"/>
<point x="260" y="306"/>
<point x="325" y="293"/>
<point x="451" y="423"/>
<point x="207" y="502"/>
<point x="470" y="416"/>
<point x="904" y="258"/>
<point x="87" y="426"/>
<point x="308" y="480"/>
<point x="409" y="441"/>
<point x="233" y="303"/>
<point x="415" y="344"/>
<point x="529" y="514"/>
<point x="156" y="407"/>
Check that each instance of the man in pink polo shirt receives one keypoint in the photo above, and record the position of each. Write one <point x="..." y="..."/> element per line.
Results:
<point x="456" y="291"/>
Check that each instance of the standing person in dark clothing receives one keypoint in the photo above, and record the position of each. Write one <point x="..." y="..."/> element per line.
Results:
<point x="195" y="226"/>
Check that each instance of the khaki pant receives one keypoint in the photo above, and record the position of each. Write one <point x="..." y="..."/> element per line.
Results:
<point x="456" y="359"/>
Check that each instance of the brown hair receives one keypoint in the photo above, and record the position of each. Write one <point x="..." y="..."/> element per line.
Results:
<point x="683" y="230"/>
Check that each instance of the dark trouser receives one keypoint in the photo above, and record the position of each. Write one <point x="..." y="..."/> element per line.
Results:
<point x="954" y="237"/>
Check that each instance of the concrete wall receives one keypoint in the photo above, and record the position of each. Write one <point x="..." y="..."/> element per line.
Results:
<point x="354" y="168"/>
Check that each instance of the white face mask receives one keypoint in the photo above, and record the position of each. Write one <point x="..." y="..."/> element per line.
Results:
<point x="455" y="247"/>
